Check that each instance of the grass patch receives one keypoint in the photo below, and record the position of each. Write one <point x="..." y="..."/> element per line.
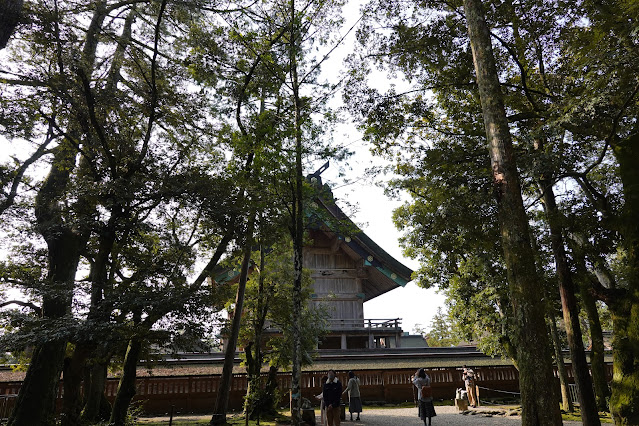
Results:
<point x="576" y="416"/>
<point x="233" y="417"/>
<point x="234" y="420"/>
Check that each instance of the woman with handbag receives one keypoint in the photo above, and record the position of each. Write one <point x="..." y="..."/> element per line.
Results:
<point x="424" y="396"/>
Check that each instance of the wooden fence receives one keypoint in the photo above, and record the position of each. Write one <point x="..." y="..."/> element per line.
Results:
<point x="197" y="393"/>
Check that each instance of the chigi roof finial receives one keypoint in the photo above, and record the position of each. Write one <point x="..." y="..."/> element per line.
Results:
<point x="316" y="178"/>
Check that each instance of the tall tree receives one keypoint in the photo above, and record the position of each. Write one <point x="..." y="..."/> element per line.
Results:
<point x="278" y="39"/>
<point x="552" y="63"/>
<point x="297" y="209"/>
<point x="64" y="237"/>
<point x="267" y="320"/>
<point x="222" y="398"/>
<point x="441" y="332"/>
<point x="117" y="176"/>
<point x="625" y="308"/>
<point x="570" y="310"/>
<point x="538" y="405"/>
<point x="613" y="126"/>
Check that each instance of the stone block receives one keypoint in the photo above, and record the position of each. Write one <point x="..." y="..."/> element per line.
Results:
<point x="308" y="416"/>
<point x="461" y="404"/>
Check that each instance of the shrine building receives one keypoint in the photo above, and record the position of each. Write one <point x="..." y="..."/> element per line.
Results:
<point x="348" y="269"/>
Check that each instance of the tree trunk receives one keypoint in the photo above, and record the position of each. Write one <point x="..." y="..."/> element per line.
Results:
<point x="624" y="402"/>
<point x="297" y="226"/>
<point x="126" y="387"/>
<point x="73" y="375"/>
<point x="37" y="395"/>
<point x="65" y="241"/>
<point x="98" y="314"/>
<point x="36" y="399"/>
<point x="600" y="277"/>
<point x="222" y="399"/>
<point x="597" y="360"/>
<point x="95" y="408"/>
<point x="251" y="387"/>
<point x="566" y="402"/>
<point x="253" y="351"/>
<point x="539" y="403"/>
<point x="570" y="310"/>
<point x="10" y="11"/>
<point x="270" y="389"/>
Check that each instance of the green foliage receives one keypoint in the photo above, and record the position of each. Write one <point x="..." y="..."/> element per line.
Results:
<point x="145" y="185"/>
<point x="441" y="333"/>
<point x="565" y="72"/>
<point x="268" y="293"/>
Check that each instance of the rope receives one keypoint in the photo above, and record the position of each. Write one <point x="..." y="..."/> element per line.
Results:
<point x="497" y="390"/>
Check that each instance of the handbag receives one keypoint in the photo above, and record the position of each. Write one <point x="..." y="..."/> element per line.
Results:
<point x="427" y="392"/>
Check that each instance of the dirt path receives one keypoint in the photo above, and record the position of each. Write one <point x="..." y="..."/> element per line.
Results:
<point x="447" y="416"/>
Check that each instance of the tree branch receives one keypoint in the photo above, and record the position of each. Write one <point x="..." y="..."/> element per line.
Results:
<point x="35" y="308"/>
<point x="154" y="95"/>
<point x="522" y="70"/>
<point x="42" y="150"/>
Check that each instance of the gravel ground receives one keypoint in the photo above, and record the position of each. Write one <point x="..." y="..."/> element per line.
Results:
<point x="446" y="416"/>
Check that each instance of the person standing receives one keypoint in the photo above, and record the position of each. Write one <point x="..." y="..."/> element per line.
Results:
<point x="469" y="380"/>
<point x="354" y="399"/>
<point x="332" y="393"/>
<point x="424" y="395"/>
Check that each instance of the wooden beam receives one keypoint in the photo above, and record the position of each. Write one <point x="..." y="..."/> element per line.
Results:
<point x="318" y="250"/>
<point x="334" y="273"/>
<point x="337" y="242"/>
<point x="333" y="297"/>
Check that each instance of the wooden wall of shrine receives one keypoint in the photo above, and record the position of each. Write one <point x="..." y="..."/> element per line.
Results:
<point x="337" y="277"/>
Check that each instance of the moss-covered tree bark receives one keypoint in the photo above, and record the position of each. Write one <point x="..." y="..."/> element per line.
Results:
<point x="37" y="395"/>
<point x="569" y="308"/>
<point x="597" y="359"/>
<point x="126" y="387"/>
<point x="624" y="402"/>
<point x="256" y="400"/>
<point x="10" y="11"/>
<point x="539" y="403"/>
<point x="297" y="225"/>
<point x="566" y="402"/>
<point x="222" y="397"/>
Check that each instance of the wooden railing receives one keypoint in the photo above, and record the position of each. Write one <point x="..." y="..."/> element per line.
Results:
<point x="7" y="402"/>
<point x="197" y="393"/>
<point x="394" y="324"/>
